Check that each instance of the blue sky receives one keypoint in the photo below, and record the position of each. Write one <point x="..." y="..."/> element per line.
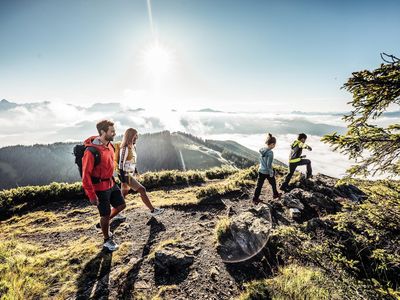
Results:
<point x="237" y="55"/>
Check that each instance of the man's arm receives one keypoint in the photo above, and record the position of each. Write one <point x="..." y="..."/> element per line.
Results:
<point x="305" y="146"/>
<point x="87" y="170"/>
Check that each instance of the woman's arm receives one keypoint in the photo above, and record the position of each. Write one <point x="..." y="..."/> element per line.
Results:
<point x="269" y="158"/>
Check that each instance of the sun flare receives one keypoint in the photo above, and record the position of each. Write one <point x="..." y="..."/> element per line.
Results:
<point x="157" y="59"/>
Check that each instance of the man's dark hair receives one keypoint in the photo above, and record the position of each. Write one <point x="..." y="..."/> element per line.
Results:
<point x="302" y="136"/>
<point x="103" y="125"/>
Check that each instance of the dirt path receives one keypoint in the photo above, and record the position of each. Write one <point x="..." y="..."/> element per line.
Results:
<point x="135" y="275"/>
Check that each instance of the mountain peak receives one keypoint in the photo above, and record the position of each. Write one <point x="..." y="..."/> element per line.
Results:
<point x="6" y="105"/>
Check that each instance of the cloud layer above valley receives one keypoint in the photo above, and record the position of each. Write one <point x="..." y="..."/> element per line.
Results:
<point x="47" y="122"/>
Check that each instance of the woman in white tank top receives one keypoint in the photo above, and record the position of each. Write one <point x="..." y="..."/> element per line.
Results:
<point x="126" y="159"/>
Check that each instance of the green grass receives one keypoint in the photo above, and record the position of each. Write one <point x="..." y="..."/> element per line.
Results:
<point x="293" y="282"/>
<point x="29" y="271"/>
<point x="222" y="229"/>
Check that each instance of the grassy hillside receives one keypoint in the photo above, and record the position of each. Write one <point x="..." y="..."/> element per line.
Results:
<point x="337" y="248"/>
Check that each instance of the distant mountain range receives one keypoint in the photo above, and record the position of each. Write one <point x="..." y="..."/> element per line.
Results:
<point x="117" y="107"/>
<point x="43" y="164"/>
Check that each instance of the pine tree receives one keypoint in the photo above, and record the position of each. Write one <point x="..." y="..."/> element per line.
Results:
<point x="375" y="149"/>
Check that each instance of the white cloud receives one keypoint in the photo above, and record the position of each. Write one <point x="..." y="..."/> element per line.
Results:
<point x="48" y="122"/>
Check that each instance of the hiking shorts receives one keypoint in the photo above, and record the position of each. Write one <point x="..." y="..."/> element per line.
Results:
<point x="131" y="181"/>
<point x="112" y="197"/>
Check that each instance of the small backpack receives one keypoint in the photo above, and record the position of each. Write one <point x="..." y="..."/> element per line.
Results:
<point x="79" y="151"/>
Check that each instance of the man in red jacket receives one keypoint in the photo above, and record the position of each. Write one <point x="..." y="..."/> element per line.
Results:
<point x="98" y="181"/>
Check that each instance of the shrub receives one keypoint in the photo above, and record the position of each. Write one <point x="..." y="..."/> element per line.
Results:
<point x="212" y="191"/>
<point x="220" y="173"/>
<point x="23" y="198"/>
<point x="168" y="178"/>
<point x="235" y="183"/>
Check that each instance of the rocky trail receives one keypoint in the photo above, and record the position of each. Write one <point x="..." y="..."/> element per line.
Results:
<point x="174" y="255"/>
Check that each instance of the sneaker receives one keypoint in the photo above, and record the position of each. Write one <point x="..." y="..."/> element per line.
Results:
<point x="119" y="217"/>
<point x="157" y="211"/>
<point x="110" y="245"/>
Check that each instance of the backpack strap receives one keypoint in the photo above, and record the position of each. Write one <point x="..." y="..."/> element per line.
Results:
<point x="96" y="154"/>
<point x="122" y="157"/>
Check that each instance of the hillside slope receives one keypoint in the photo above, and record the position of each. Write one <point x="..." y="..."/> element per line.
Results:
<point x="321" y="230"/>
<point x="43" y="164"/>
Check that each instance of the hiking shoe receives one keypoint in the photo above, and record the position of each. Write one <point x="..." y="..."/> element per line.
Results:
<point x="156" y="212"/>
<point x="110" y="245"/>
<point x="119" y="217"/>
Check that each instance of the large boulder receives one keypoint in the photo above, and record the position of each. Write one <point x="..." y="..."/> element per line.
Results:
<point x="247" y="234"/>
<point x="328" y="186"/>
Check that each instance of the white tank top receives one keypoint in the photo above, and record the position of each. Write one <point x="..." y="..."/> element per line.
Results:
<point x="124" y="164"/>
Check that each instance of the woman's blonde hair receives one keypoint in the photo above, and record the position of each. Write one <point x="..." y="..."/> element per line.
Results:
<point x="128" y="137"/>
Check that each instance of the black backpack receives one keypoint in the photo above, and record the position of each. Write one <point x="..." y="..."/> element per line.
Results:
<point x="79" y="151"/>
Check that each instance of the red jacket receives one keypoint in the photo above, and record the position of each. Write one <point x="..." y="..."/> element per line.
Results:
<point x="103" y="170"/>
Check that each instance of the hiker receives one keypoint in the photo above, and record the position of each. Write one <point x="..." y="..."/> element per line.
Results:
<point x="125" y="161"/>
<point x="265" y="170"/>
<point x="296" y="159"/>
<point x="98" y="181"/>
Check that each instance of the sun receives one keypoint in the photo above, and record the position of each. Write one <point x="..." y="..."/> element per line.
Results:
<point x="157" y="59"/>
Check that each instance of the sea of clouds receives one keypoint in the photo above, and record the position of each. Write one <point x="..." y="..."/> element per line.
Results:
<point x="48" y="122"/>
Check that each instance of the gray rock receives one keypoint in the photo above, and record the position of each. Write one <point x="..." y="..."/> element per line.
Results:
<point x="172" y="257"/>
<point x="351" y="192"/>
<point x="290" y="201"/>
<point x="248" y="234"/>
<point x="294" y="213"/>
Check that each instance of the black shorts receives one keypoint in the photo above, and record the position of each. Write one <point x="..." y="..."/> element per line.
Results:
<point x="109" y="197"/>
